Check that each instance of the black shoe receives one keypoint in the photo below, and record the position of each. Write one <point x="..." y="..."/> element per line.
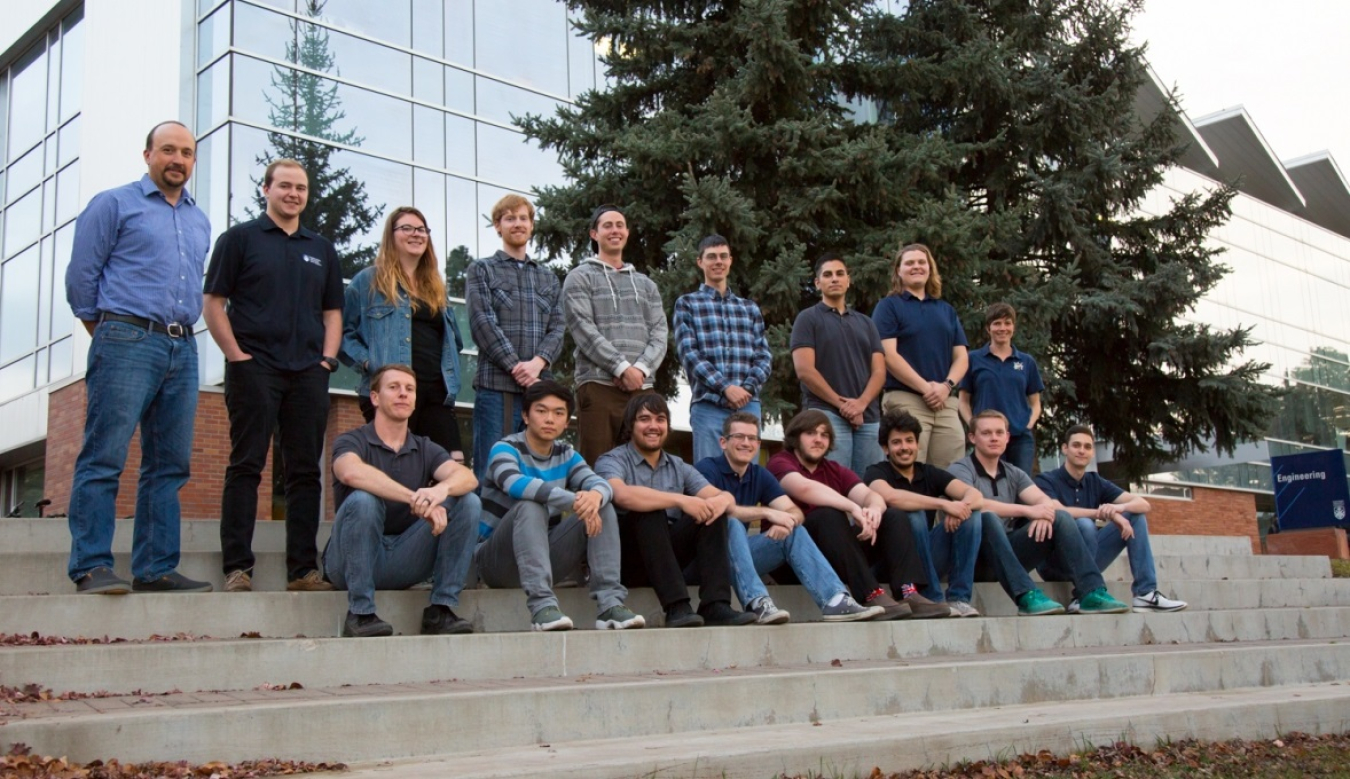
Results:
<point x="102" y="581"/>
<point x="171" y="582"/>
<point x="365" y="626"/>
<point x="438" y="620"/>
<point x="681" y="616"/>
<point x="719" y="612"/>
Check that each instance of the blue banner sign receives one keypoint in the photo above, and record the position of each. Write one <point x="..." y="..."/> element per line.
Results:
<point x="1310" y="490"/>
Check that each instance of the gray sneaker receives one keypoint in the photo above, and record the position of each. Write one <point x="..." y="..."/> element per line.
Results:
<point x="550" y="618"/>
<point x="766" y="613"/>
<point x="619" y="617"/>
<point x="962" y="609"/>
<point x="849" y="610"/>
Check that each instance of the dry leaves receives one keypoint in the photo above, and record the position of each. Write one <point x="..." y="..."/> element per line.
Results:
<point x="21" y="763"/>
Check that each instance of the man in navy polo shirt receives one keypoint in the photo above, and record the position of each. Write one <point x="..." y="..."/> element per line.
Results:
<point x="1090" y="499"/>
<point x="280" y="335"/>
<point x="1006" y="380"/>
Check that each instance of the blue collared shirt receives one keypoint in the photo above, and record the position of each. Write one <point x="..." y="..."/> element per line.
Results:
<point x="926" y="330"/>
<point x="1088" y="492"/>
<point x="1003" y="385"/>
<point x="757" y="487"/>
<point x="135" y="254"/>
<point x="720" y="341"/>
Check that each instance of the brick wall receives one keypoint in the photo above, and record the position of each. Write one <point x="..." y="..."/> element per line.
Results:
<point x="200" y="499"/>
<point x="1209" y="513"/>
<point x="1320" y="542"/>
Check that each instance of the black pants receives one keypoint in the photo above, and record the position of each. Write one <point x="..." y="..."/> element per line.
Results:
<point x="260" y="400"/>
<point x="654" y="553"/>
<point x="431" y="416"/>
<point x="894" y="555"/>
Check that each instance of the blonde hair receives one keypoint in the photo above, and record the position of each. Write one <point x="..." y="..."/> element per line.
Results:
<point x="427" y="286"/>
<point x="933" y="288"/>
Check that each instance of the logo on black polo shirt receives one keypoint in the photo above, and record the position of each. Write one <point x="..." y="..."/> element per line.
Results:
<point x="312" y="260"/>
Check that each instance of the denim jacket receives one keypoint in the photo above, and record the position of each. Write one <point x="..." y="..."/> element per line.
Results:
<point x="376" y="331"/>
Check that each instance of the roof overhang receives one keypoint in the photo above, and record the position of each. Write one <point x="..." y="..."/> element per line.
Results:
<point x="1324" y="189"/>
<point x="1245" y="156"/>
<point x="1154" y="98"/>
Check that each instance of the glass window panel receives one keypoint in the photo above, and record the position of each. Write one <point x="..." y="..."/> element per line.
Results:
<point x="62" y="319"/>
<point x="40" y="373"/>
<point x="44" y="296"/>
<point x="461" y="213"/>
<point x="459" y="31"/>
<point x="48" y="205"/>
<point x="205" y="6"/>
<point x="262" y="31"/>
<point x="498" y="101"/>
<point x="211" y="179"/>
<point x="72" y="65"/>
<point x="538" y="32"/>
<point x="22" y="225"/>
<point x="4" y="117"/>
<point x="428" y="136"/>
<point x="213" y="95"/>
<point x="321" y="49"/>
<point x="429" y="198"/>
<point x="245" y="177"/>
<point x="62" y="360"/>
<point x="213" y="36"/>
<point x="389" y="132"/>
<point x="53" y="77"/>
<point x="428" y="27"/>
<point x="460" y="145"/>
<point x="370" y="63"/>
<point x="18" y="305"/>
<point x="68" y="142"/>
<point x="390" y="20"/>
<point x="459" y="90"/>
<point x="68" y="193"/>
<point x="16" y="379"/>
<point x="428" y="83"/>
<point x="581" y="62"/>
<point x="25" y="173"/>
<point x="49" y="167"/>
<point x="388" y="185"/>
<point x="28" y="101"/>
<point x="506" y="158"/>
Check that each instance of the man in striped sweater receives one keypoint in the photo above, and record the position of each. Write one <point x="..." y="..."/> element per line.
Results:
<point x="544" y="509"/>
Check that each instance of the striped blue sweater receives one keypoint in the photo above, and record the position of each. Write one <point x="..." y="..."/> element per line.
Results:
<point x="514" y="473"/>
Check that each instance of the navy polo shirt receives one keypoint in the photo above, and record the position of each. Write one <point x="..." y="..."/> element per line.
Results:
<point x="757" y="487"/>
<point x="1003" y="385"/>
<point x="925" y="332"/>
<point x="414" y="466"/>
<point x="929" y="481"/>
<point x="1087" y="493"/>
<point x="278" y="287"/>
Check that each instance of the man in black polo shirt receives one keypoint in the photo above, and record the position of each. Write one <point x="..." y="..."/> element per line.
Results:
<point x="280" y="334"/>
<point x="406" y="511"/>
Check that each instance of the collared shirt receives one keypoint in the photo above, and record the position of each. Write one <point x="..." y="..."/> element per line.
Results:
<point x="720" y="341"/>
<point x="671" y="474"/>
<point x="1088" y="492"/>
<point x="414" y="466"/>
<point x="278" y="286"/>
<point x="1004" y="485"/>
<point x="1003" y="385"/>
<point x="515" y="314"/>
<point x="929" y="481"/>
<point x="844" y="345"/>
<point x="755" y="487"/>
<point x="827" y="472"/>
<point x="135" y="254"/>
<point x="926" y="330"/>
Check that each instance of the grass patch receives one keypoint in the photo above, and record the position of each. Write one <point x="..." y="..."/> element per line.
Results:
<point x="1340" y="569"/>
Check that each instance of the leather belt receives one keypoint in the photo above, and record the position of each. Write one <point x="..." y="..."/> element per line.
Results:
<point x="173" y="329"/>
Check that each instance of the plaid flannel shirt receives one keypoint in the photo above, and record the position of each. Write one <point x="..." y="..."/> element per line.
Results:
<point x="515" y="314"/>
<point x="720" y="342"/>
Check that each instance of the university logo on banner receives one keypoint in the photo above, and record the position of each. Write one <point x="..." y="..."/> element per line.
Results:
<point x="1310" y="489"/>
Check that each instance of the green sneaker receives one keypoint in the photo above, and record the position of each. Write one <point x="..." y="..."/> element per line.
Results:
<point x="1033" y="603"/>
<point x="619" y="617"/>
<point x="1099" y="601"/>
<point x="550" y="618"/>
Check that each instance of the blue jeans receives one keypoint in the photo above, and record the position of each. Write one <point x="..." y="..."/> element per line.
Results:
<point x="490" y="423"/>
<point x="954" y="556"/>
<point x="757" y="554"/>
<point x="1105" y="545"/>
<point x="705" y="419"/>
<point x="1064" y="551"/>
<point x="1021" y="450"/>
<point x="133" y="377"/>
<point x="854" y="448"/>
<point x="360" y="558"/>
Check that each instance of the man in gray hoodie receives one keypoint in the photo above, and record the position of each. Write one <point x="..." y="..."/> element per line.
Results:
<point x="616" y="320"/>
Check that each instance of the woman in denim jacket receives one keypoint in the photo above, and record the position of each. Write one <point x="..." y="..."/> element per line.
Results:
<point x="396" y="311"/>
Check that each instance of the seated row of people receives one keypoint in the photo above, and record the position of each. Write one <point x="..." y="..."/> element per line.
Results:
<point x="645" y="517"/>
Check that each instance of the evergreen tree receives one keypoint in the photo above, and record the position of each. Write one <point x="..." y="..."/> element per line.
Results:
<point x="456" y="268"/>
<point x="304" y="103"/>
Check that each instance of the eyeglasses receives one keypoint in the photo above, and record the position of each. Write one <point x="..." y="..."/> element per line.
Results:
<point x="410" y="230"/>
<point x="747" y="437"/>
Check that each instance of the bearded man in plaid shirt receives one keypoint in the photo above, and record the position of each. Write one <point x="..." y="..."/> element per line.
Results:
<point x="719" y="337"/>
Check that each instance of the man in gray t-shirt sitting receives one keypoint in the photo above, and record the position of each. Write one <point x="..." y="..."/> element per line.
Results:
<point x="1037" y="531"/>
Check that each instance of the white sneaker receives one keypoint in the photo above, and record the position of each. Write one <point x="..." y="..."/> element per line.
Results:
<point x="962" y="609"/>
<point x="1073" y="607"/>
<point x="1156" y="601"/>
<point x="766" y="613"/>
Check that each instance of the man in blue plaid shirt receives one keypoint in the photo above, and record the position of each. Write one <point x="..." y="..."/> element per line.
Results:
<point x="719" y="337"/>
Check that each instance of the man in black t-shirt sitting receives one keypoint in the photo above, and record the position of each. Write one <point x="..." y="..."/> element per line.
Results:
<point x="406" y="511"/>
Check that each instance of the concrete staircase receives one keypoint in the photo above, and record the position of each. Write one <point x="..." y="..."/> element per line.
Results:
<point x="1262" y="649"/>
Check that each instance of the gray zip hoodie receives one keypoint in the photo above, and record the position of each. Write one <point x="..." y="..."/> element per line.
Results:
<point x="616" y="321"/>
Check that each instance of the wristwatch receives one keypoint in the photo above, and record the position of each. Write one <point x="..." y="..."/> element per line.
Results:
<point x="951" y="385"/>
<point x="330" y="363"/>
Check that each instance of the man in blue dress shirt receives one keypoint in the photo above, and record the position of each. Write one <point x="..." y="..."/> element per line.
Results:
<point x="135" y="280"/>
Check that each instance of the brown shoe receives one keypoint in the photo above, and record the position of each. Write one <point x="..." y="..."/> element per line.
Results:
<point x="310" y="582"/>
<point x="238" y="581"/>
<point x="894" y="609"/>
<point x="924" y="608"/>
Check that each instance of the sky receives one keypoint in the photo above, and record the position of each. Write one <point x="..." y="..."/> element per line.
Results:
<point x="1287" y="62"/>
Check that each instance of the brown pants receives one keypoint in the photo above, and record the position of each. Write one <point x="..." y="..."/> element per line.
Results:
<point x="600" y="410"/>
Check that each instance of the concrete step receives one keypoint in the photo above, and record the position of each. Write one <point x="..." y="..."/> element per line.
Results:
<point x="243" y="664"/>
<point x="902" y="742"/>
<point x="336" y="723"/>
<point x="52" y="534"/>
<point x="319" y="614"/>
<point x="1179" y="569"/>
<point x="1200" y="545"/>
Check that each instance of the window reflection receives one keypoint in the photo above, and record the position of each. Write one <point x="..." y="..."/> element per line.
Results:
<point x="507" y="158"/>
<point x="428" y="33"/>
<point x="389" y="20"/>
<point x="25" y="172"/>
<point x="213" y="95"/>
<point x="28" y="103"/>
<point x="61" y="361"/>
<point x="67" y="193"/>
<point x="498" y="101"/>
<point x="18" y="305"/>
<point x="213" y="36"/>
<point x="21" y="222"/>
<point x="16" y="379"/>
<point x="537" y="33"/>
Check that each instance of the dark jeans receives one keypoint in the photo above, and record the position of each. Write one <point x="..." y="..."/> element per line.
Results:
<point x="1064" y="549"/>
<point x="654" y="552"/>
<point x="895" y="554"/>
<point x="261" y="400"/>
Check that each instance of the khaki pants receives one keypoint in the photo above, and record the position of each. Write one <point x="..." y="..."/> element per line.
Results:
<point x="943" y="441"/>
<point x="600" y="410"/>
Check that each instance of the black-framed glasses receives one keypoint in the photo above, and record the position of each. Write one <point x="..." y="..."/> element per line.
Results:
<point x="411" y="230"/>
<point x="738" y="437"/>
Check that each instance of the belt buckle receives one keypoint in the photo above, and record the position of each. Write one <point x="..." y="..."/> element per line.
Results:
<point x="175" y="330"/>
